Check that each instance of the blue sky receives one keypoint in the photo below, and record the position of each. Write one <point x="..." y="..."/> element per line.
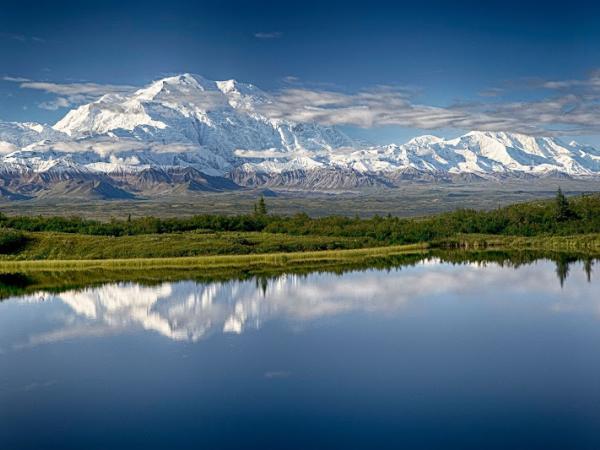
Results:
<point x="524" y="61"/>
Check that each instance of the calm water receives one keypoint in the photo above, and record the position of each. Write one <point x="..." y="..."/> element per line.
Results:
<point x="433" y="356"/>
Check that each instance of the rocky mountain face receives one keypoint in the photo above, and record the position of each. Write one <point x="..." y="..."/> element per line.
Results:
<point x="186" y="134"/>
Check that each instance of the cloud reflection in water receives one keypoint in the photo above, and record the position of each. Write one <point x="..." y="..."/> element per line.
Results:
<point x="188" y="311"/>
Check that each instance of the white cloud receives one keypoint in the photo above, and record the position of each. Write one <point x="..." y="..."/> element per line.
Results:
<point x="15" y="79"/>
<point x="85" y="89"/>
<point x="380" y="107"/>
<point x="268" y="35"/>
<point x="564" y="107"/>
<point x="53" y="105"/>
<point x="69" y="94"/>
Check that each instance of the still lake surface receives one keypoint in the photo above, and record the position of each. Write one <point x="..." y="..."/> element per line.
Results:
<point x="432" y="356"/>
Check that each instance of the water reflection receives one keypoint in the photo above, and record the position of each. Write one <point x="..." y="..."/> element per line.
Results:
<point x="190" y="311"/>
<point x="562" y="261"/>
<point x="18" y="284"/>
<point x="447" y="352"/>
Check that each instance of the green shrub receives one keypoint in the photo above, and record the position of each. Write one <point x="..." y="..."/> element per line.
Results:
<point x="11" y="241"/>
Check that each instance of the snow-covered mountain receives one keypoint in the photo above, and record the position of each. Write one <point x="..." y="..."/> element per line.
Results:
<point x="187" y="120"/>
<point x="14" y="136"/>
<point x="483" y="153"/>
<point x="213" y="133"/>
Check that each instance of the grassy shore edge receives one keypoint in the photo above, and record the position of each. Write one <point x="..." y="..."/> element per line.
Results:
<point x="216" y="261"/>
<point x="579" y="243"/>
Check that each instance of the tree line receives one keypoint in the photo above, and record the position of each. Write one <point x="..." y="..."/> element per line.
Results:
<point x="561" y="216"/>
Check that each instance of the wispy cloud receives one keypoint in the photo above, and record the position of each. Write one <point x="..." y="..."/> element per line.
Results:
<point x="376" y="107"/>
<point x="563" y="107"/>
<point x="57" y="103"/>
<point x="291" y="79"/>
<point x="22" y="38"/>
<point x="86" y="89"/>
<point x="268" y="35"/>
<point x="592" y="83"/>
<point x="15" y="79"/>
<point x="69" y="94"/>
<point x="491" y="92"/>
<point x="554" y="107"/>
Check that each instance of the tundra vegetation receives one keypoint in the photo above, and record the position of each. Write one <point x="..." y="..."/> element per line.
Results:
<point x="572" y="223"/>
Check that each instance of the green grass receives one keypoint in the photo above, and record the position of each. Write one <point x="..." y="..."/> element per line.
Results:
<point x="67" y="246"/>
<point x="183" y="248"/>
<point x="218" y="262"/>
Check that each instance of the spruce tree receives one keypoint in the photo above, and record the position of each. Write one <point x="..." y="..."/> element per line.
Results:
<point x="261" y="208"/>
<point x="563" y="209"/>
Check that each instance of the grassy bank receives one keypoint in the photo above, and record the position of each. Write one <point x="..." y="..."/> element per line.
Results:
<point x="265" y="260"/>
<point x="72" y="246"/>
<point x="191" y="246"/>
<point x="257" y="262"/>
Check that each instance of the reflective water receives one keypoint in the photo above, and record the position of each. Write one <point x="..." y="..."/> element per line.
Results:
<point x="424" y="357"/>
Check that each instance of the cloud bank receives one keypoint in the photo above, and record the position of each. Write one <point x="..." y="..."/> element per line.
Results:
<point x="562" y="107"/>
<point x="555" y="107"/>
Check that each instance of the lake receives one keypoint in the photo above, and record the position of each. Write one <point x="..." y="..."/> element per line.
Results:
<point x="431" y="355"/>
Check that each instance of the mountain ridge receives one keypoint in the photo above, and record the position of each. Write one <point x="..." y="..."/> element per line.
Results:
<point x="222" y="130"/>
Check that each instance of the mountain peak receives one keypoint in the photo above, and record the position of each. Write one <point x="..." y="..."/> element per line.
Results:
<point x="184" y="79"/>
<point x="234" y="86"/>
<point x="426" y="139"/>
<point x="496" y="135"/>
<point x="227" y="86"/>
<point x="506" y="136"/>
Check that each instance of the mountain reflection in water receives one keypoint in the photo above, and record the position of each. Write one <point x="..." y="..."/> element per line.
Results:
<point x="190" y="311"/>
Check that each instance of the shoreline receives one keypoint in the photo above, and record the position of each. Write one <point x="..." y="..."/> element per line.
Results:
<point x="266" y="260"/>
<point x="19" y="277"/>
<point x="584" y="244"/>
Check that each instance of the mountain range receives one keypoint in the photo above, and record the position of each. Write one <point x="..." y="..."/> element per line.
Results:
<point x="184" y="133"/>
